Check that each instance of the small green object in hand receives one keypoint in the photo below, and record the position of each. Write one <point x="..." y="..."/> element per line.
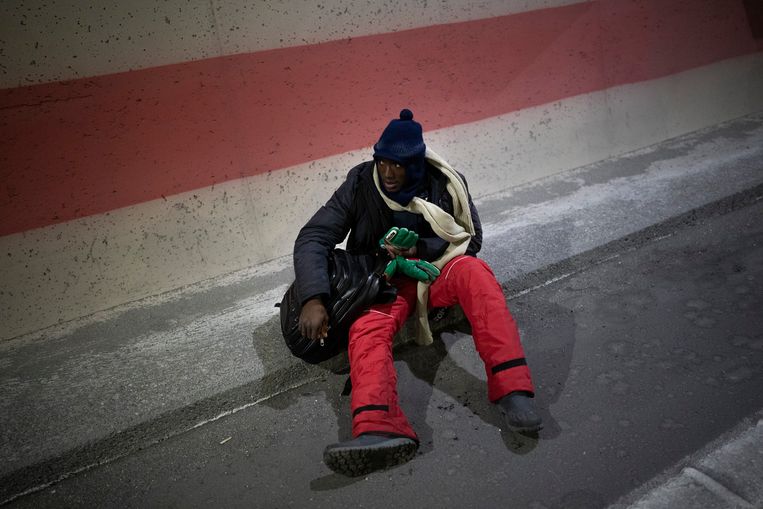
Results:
<point x="401" y="238"/>
<point x="420" y="270"/>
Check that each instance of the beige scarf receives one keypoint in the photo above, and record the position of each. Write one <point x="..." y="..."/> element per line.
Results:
<point x="457" y="229"/>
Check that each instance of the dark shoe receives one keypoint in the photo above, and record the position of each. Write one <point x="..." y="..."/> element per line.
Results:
<point x="368" y="453"/>
<point x="520" y="413"/>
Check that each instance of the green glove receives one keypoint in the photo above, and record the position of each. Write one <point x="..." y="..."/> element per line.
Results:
<point x="401" y="238"/>
<point x="391" y="268"/>
<point x="420" y="270"/>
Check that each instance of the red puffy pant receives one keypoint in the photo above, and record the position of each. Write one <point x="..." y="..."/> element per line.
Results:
<point x="465" y="280"/>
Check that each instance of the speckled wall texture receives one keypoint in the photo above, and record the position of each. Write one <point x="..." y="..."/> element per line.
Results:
<point x="53" y="40"/>
<point x="147" y="146"/>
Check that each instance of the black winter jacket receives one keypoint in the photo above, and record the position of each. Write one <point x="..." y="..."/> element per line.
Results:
<point x="357" y="208"/>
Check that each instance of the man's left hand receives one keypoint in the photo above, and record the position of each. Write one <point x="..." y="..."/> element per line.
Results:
<point x="420" y="270"/>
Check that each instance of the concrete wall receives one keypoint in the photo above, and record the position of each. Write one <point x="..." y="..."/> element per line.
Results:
<point x="54" y="40"/>
<point x="149" y="147"/>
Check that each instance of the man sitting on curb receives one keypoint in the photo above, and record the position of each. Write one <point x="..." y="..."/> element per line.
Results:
<point x="410" y="205"/>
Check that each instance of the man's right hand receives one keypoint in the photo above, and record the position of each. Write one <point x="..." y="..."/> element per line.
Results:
<point x="314" y="320"/>
<point x="399" y="242"/>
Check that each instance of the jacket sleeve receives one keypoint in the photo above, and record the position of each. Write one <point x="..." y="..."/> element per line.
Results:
<point x="476" y="243"/>
<point x="327" y="228"/>
<point x="430" y="248"/>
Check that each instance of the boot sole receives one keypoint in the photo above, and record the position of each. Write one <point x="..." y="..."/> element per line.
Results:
<point x="519" y="428"/>
<point x="355" y="461"/>
<point x="525" y="429"/>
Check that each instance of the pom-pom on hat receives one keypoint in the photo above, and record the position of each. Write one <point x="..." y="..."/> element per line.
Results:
<point x="401" y="141"/>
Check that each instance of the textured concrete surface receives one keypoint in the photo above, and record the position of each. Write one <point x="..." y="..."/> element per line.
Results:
<point x="647" y="354"/>
<point x="727" y="474"/>
<point x="116" y="37"/>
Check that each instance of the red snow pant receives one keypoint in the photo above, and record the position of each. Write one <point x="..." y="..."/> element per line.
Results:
<point x="465" y="280"/>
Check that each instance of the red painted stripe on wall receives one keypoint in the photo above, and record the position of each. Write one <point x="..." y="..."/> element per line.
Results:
<point x="83" y="147"/>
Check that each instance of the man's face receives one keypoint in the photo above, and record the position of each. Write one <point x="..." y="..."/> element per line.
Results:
<point x="391" y="175"/>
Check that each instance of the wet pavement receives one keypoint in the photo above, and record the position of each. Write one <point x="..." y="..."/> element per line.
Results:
<point x="641" y="358"/>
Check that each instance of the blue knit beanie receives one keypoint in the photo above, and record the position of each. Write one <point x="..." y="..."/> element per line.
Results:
<point x="402" y="142"/>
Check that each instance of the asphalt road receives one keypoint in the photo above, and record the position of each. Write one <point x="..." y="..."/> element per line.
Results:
<point x="640" y="359"/>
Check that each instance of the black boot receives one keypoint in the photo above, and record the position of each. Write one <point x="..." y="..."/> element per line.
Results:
<point x="367" y="453"/>
<point x="519" y="410"/>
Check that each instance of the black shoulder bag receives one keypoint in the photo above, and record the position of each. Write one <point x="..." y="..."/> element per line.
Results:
<point x="356" y="283"/>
